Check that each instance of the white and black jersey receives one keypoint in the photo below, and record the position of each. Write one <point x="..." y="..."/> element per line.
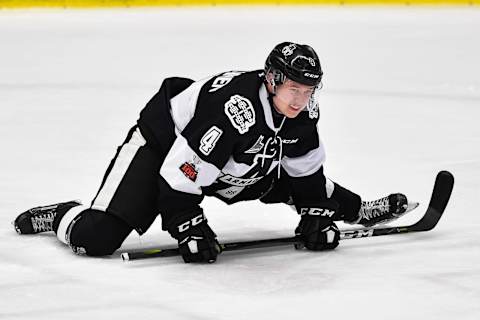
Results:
<point x="221" y="137"/>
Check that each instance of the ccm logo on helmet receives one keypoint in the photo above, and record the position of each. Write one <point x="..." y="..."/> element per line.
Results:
<point x="310" y="75"/>
<point x="316" y="212"/>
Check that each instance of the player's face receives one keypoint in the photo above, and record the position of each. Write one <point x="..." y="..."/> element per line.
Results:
<point x="292" y="97"/>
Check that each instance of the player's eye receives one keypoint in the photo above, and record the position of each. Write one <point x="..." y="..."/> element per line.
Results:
<point x="294" y="90"/>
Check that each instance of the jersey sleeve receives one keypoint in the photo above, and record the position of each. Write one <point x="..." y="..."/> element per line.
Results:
<point x="310" y="154"/>
<point x="187" y="168"/>
<point x="201" y="149"/>
<point x="306" y="164"/>
<point x="204" y="142"/>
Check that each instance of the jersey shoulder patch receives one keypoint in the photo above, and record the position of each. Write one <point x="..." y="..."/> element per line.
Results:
<point x="313" y="109"/>
<point x="240" y="112"/>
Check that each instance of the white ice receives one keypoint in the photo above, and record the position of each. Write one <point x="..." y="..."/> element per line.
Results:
<point x="401" y="101"/>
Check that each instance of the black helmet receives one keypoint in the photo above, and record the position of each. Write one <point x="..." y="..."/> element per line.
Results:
<point x="297" y="62"/>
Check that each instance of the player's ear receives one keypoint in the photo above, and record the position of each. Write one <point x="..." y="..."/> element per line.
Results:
<point x="270" y="78"/>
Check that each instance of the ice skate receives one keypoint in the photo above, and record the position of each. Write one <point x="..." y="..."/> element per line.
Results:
<point x="384" y="210"/>
<point x="40" y="219"/>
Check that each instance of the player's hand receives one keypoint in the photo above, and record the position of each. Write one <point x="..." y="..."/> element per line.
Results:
<point x="196" y="241"/>
<point x="317" y="233"/>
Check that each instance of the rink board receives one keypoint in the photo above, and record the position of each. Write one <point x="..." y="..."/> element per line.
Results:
<point x="146" y="3"/>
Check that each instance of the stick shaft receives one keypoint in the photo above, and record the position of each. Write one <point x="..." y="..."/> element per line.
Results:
<point x="439" y="199"/>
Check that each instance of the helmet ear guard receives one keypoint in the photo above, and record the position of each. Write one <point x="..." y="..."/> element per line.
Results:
<point x="274" y="77"/>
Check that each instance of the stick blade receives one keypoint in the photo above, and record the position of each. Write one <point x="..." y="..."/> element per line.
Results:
<point x="438" y="202"/>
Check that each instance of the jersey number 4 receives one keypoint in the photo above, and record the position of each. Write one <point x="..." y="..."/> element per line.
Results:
<point x="209" y="140"/>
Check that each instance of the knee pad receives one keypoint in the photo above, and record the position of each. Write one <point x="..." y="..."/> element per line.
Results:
<point x="97" y="233"/>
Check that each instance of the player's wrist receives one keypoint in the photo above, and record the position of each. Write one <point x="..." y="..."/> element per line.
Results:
<point x="186" y="223"/>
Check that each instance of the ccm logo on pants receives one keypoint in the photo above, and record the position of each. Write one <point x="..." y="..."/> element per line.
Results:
<point x="316" y="212"/>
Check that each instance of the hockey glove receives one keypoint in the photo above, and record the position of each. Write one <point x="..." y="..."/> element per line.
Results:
<point x="317" y="233"/>
<point x="196" y="240"/>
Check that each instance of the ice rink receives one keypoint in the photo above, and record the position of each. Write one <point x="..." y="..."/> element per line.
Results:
<point x="401" y="102"/>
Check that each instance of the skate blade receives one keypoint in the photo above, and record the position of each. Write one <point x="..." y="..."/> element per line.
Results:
<point x="411" y="206"/>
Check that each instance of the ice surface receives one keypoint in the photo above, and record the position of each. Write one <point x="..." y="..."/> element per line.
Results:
<point x="401" y="102"/>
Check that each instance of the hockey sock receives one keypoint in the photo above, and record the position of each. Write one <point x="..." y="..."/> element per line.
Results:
<point x="63" y="221"/>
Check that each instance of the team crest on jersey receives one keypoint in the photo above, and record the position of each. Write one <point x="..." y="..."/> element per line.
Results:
<point x="240" y="112"/>
<point x="257" y="147"/>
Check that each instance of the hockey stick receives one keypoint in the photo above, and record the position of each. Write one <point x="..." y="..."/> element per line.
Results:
<point x="438" y="202"/>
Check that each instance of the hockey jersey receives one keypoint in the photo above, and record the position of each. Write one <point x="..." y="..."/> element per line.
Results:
<point x="221" y="137"/>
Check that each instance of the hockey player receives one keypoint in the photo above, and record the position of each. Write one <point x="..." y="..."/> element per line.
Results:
<point x="235" y="136"/>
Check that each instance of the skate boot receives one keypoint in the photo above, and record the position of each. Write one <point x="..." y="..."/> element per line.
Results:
<point x="382" y="210"/>
<point x="40" y="219"/>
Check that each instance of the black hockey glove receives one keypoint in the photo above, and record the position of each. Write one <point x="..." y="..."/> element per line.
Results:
<point x="196" y="240"/>
<point x="317" y="232"/>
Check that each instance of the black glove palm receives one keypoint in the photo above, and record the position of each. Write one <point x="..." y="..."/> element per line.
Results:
<point x="318" y="233"/>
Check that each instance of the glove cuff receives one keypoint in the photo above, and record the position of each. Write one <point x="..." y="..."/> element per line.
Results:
<point x="184" y="222"/>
